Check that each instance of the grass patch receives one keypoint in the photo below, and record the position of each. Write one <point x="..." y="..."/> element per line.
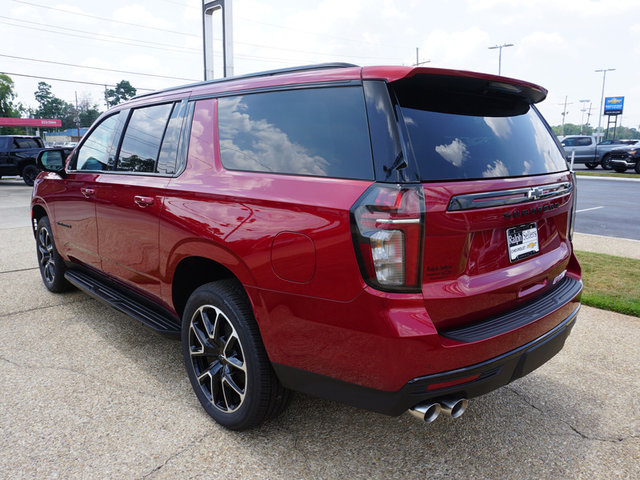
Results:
<point x="611" y="283"/>
<point x="607" y="173"/>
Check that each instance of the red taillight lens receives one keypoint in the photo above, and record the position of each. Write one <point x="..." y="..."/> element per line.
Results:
<point x="387" y="226"/>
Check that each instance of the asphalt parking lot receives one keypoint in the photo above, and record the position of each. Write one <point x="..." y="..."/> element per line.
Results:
<point x="88" y="393"/>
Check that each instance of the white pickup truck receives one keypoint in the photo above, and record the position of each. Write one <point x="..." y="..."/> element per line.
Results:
<point x="589" y="152"/>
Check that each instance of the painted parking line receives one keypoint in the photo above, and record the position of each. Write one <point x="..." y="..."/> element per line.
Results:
<point x="588" y="209"/>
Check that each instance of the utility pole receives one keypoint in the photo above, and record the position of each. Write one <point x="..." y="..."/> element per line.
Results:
<point x="583" y="110"/>
<point x="500" y="47"/>
<point x="604" y="78"/>
<point x="418" y="62"/>
<point x="564" y="113"/>
<point x="76" y="119"/>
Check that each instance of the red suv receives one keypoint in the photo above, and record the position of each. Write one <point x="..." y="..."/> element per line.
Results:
<point x="393" y="238"/>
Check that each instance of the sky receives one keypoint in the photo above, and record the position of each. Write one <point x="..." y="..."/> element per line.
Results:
<point x="557" y="44"/>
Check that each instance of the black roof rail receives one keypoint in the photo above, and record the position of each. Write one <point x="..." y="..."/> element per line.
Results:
<point x="268" y="73"/>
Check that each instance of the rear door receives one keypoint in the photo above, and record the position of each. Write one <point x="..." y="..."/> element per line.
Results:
<point x="497" y="195"/>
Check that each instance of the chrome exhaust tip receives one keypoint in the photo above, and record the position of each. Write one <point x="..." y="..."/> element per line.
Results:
<point x="454" y="407"/>
<point x="427" y="412"/>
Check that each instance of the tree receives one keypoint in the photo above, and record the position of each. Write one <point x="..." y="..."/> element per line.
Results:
<point x="51" y="106"/>
<point x="123" y="92"/>
<point x="87" y="112"/>
<point x="8" y="108"/>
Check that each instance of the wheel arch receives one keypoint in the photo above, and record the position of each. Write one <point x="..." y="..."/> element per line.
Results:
<point x="192" y="272"/>
<point x="37" y="212"/>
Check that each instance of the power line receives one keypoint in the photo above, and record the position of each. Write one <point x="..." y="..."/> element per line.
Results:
<point x="99" y="39"/>
<point x="69" y="81"/>
<point x="116" y="37"/>
<point x="98" y="68"/>
<point x="105" y="19"/>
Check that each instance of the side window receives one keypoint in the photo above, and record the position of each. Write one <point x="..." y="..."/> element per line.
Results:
<point x="94" y="154"/>
<point x="26" y="143"/>
<point x="172" y="150"/>
<point x="568" y="142"/>
<point x="583" y="142"/>
<point x="319" y="132"/>
<point x="142" y="138"/>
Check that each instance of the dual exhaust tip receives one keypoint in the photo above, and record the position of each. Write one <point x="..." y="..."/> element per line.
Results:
<point x="429" y="411"/>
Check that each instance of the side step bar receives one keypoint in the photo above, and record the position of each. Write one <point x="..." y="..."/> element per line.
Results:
<point x="161" y="322"/>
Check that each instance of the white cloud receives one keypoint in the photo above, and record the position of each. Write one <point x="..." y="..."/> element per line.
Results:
<point x="497" y="169"/>
<point x="455" y="153"/>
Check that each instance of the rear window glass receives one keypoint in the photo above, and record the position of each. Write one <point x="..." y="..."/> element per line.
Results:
<point x="319" y="132"/>
<point x="449" y="146"/>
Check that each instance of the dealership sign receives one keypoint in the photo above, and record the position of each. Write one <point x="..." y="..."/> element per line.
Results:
<point x="30" y="122"/>
<point x="613" y="105"/>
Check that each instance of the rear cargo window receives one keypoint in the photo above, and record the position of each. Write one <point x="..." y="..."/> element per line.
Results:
<point x="319" y="132"/>
<point x="449" y="146"/>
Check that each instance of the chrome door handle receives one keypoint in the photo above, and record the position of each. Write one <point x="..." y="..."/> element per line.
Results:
<point x="143" y="201"/>
<point x="87" y="192"/>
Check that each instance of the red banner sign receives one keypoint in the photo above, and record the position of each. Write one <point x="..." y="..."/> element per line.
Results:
<point x="30" y="122"/>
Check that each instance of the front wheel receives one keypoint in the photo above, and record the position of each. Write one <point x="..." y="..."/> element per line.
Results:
<point x="51" y="265"/>
<point x="606" y="162"/>
<point x="29" y="174"/>
<point x="226" y="360"/>
<point x="637" y="167"/>
<point x="591" y="165"/>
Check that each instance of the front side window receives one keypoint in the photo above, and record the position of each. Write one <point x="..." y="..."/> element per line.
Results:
<point x="142" y="138"/>
<point x="96" y="153"/>
<point x="320" y="132"/>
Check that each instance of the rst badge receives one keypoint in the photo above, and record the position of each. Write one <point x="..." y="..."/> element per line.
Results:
<point x="522" y="241"/>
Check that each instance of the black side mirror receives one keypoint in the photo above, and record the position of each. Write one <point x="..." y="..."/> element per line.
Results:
<point x="52" y="160"/>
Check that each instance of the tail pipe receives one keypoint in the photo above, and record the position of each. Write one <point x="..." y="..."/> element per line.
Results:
<point x="429" y="411"/>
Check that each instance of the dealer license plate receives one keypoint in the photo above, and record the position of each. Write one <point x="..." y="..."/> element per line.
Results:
<point x="522" y="241"/>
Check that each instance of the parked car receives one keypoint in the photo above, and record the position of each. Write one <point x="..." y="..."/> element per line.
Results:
<point x="18" y="154"/>
<point x="624" y="158"/>
<point x="588" y="151"/>
<point x="394" y="238"/>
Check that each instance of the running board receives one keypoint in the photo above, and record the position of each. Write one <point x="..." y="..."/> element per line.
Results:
<point x="160" y="322"/>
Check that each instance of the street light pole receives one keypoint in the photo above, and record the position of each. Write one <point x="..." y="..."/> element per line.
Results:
<point x="604" y="78"/>
<point x="500" y="47"/>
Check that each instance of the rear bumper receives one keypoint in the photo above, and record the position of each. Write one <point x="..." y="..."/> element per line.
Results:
<point x="467" y="382"/>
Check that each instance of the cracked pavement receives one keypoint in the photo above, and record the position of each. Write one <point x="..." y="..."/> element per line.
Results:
<point x="89" y="393"/>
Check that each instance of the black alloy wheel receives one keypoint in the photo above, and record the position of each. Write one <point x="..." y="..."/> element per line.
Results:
<point x="51" y="265"/>
<point x="217" y="358"/>
<point x="225" y="359"/>
<point x="591" y="165"/>
<point x="606" y="162"/>
<point x="29" y="174"/>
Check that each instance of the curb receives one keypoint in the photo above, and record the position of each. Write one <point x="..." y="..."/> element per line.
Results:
<point x="594" y="177"/>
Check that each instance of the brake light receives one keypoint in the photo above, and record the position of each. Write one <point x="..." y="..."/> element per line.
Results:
<point x="388" y="231"/>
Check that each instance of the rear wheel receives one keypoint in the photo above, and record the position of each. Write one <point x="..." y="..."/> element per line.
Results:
<point x="606" y="162"/>
<point x="226" y="360"/>
<point x="29" y="174"/>
<point x="51" y="265"/>
<point x="591" y="165"/>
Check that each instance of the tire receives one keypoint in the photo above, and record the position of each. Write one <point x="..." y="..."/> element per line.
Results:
<point x="50" y="263"/>
<point x="226" y="360"/>
<point x="637" y="167"/>
<point x="620" y="169"/>
<point x="29" y="174"/>
<point x="606" y="162"/>
<point x="591" y="165"/>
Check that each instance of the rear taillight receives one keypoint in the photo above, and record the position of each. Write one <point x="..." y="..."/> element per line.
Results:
<point x="387" y="224"/>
